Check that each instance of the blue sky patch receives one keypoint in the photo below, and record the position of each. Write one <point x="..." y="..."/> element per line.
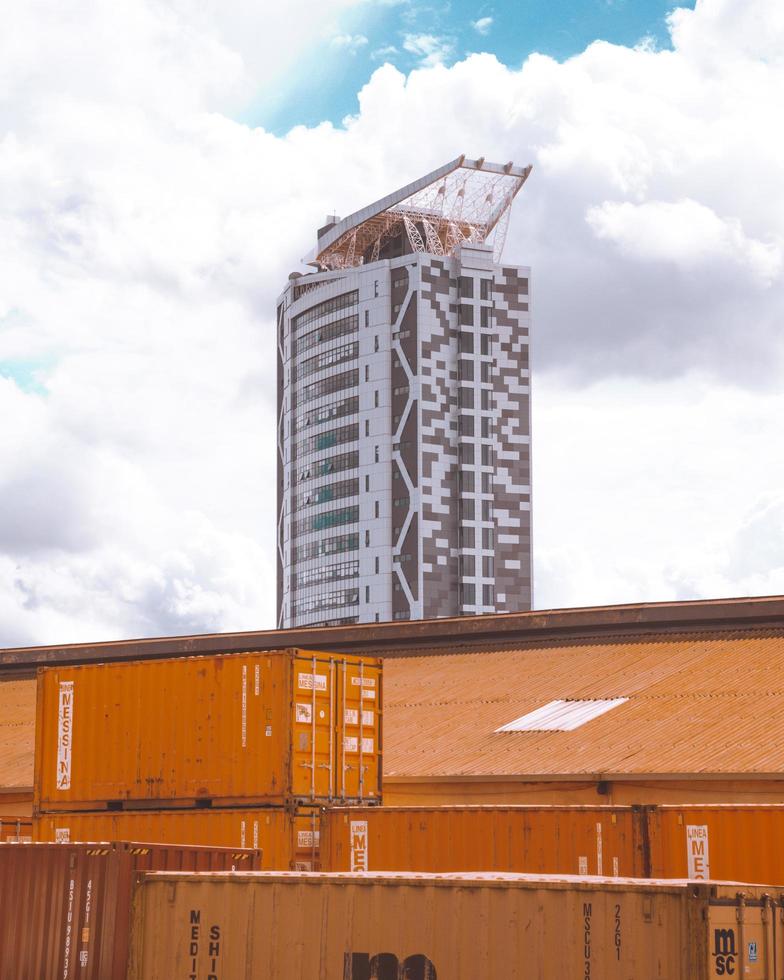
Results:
<point x="412" y="33"/>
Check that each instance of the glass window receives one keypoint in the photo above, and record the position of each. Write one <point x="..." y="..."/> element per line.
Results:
<point x="465" y="369"/>
<point x="467" y="314"/>
<point x="466" y="396"/>
<point x="466" y="425"/>
<point x="465" y="342"/>
<point x="467" y="287"/>
<point x="467" y="481"/>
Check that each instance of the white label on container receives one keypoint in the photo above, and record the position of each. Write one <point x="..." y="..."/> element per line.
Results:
<point x="242" y="833"/>
<point x="616" y="869"/>
<point x="268" y="731"/>
<point x="306" y="681"/>
<point x="582" y="863"/>
<point x="304" y="713"/>
<point x="364" y="681"/>
<point x="598" y="848"/>
<point x="257" y="680"/>
<point x="62" y="835"/>
<point x="359" y="845"/>
<point x="244" y="706"/>
<point x="697" y="852"/>
<point x="308" y="838"/>
<point x="351" y="744"/>
<point x="303" y="865"/>
<point x="352" y="717"/>
<point x="368" y="693"/>
<point x="65" y="734"/>
<point x="255" y="834"/>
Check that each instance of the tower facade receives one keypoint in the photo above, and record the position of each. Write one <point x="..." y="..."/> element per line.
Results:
<point x="404" y="447"/>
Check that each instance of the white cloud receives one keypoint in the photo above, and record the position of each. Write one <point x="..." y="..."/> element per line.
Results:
<point x="482" y="25"/>
<point x="387" y="51"/>
<point x="657" y="491"/>
<point x="684" y="232"/>
<point x="144" y="236"/>
<point x="430" y="49"/>
<point x="349" y="42"/>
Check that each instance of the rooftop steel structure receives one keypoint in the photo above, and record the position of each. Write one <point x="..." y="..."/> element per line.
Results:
<point x="463" y="202"/>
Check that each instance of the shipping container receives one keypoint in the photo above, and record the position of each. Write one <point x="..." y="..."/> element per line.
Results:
<point x="743" y="842"/>
<point x="277" y="727"/>
<point x="287" y="840"/>
<point x="740" y="842"/>
<point x="452" y="927"/>
<point x="16" y="829"/>
<point x="65" y="908"/>
<point x="538" y="840"/>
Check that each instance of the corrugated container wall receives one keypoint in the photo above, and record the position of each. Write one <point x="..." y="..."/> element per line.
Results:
<point x="744" y="843"/>
<point x="730" y="842"/>
<point x="274" y="727"/>
<point x="16" y="829"/>
<point x="65" y="909"/>
<point x="342" y="927"/>
<point x="537" y="840"/>
<point x="288" y="841"/>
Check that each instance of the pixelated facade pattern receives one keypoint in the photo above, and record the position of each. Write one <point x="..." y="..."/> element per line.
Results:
<point x="404" y="447"/>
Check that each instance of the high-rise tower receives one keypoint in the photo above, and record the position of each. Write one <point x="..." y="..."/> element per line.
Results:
<point x="404" y="486"/>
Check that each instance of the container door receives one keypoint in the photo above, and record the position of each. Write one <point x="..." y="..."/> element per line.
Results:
<point x="313" y="728"/>
<point x="744" y="940"/>
<point x="307" y="839"/>
<point x="358" y="761"/>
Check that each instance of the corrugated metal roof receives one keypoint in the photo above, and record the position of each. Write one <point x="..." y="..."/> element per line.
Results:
<point x="410" y="637"/>
<point x="17" y="734"/>
<point x="697" y="704"/>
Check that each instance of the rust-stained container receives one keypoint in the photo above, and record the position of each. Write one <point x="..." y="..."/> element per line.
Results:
<point x="286" y="726"/>
<point x="16" y="830"/>
<point x="289" y="841"/>
<point x="64" y="908"/>
<point x="536" y="840"/>
<point x="744" y="841"/>
<point x="452" y="927"/>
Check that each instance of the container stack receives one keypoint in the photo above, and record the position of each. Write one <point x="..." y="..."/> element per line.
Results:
<point x="65" y="910"/>
<point x="237" y="750"/>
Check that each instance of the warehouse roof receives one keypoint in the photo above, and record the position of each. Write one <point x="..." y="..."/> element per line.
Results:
<point x="696" y="704"/>
<point x="17" y="734"/>
<point x="704" y="683"/>
<point x="394" y="639"/>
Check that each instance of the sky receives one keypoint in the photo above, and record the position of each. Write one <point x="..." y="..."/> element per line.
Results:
<point x="163" y="167"/>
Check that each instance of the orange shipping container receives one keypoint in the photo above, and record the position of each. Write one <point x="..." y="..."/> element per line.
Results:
<point x="288" y="841"/>
<point x="275" y="727"/>
<point x="461" y="927"/>
<point x="65" y="909"/>
<point x="16" y="829"/>
<point x="744" y="842"/>
<point x="537" y="840"/>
